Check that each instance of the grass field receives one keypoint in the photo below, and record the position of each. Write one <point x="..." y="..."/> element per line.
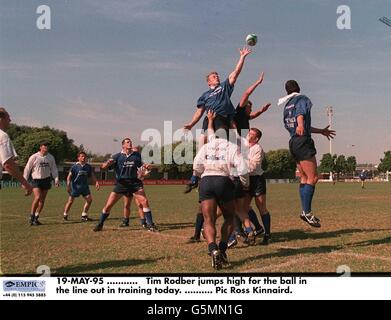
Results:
<point x="356" y="231"/>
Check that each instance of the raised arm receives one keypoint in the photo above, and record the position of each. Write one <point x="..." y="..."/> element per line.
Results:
<point x="249" y="91"/>
<point x="235" y="74"/>
<point x="211" y="116"/>
<point x="257" y="113"/>
<point x="196" y="117"/>
<point x="329" y="134"/>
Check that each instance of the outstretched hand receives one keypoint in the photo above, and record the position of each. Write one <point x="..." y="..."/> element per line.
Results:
<point x="245" y="51"/>
<point x="265" y="107"/>
<point x="260" y="80"/>
<point x="329" y="134"/>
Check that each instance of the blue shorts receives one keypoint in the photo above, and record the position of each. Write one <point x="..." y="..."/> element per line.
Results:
<point x="128" y="187"/>
<point x="84" y="191"/>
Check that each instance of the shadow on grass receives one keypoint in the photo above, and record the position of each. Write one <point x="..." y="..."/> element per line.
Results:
<point x="173" y="226"/>
<point x="88" y="267"/>
<point x="76" y="221"/>
<point x="287" y="252"/>
<point x="372" y="242"/>
<point x="298" y="234"/>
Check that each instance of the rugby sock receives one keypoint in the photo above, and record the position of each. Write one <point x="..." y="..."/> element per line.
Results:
<point x="65" y="214"/>
<point x="198" y="225"/>
<point x="103" y="217"/>
<point x="254" y="220"/>
<point x="238" y="225"/>
<point x="212" y="247"/>
<point x="142" y="221"/>
<point x="266" y="222"/>
<point x="84" y="214"/>
<point x="308" y="194"/>
<point x="148" y="216"/>
<point x="232" y="237"/>
<point x="301" y="191"/>
<point x="248" y="230"/>
<point x="223" y="246"/>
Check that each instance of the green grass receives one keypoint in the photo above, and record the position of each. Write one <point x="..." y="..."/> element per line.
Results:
<point x="355" y="231"/>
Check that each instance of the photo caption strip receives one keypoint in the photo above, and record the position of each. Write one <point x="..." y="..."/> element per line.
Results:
<point x="195" y="288"/>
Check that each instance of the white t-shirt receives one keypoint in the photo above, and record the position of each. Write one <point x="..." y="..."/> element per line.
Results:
<point x="7" y="150"/>
<point x="220" y="157"/>
<point x="41" y="167"/>
<point x="255" y="157"/>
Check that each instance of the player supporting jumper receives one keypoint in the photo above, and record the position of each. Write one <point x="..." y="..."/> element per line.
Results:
<point x="242" y="119"/>
<point x="126" y="165"/>
<point x="297" y="120"/>
<point x="257" y="181"/>
<point x="214" y="163"/>
<point x="77" y="185"/>
<point x="42" y="167"/>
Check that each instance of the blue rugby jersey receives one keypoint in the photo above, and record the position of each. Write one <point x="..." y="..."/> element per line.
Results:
<point x="218" y="99"/>
<point x="125" y="166"/>
<point x="80" y="175"/>
<point x="298" y="105"/>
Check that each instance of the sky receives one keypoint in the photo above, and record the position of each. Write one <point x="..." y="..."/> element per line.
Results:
<point x="111" y="69"/>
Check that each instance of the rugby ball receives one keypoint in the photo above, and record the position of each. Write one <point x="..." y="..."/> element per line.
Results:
<point x="251" y="39"/>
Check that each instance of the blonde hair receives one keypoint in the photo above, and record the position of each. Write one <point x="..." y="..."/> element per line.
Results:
<point x="209" y="74"/>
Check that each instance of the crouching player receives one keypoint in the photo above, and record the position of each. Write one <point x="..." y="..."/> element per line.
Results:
<point x="126" y="165"/>
<point x="77" y="185"/>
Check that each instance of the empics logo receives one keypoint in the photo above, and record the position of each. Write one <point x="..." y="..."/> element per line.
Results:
<point x="24" y="286"/>
<point x="9" y="284"/>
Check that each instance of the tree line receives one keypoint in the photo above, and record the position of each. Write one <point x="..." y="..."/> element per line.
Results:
<point x="278" y="163"/>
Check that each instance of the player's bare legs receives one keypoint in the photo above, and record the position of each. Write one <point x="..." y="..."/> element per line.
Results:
<point x="142" y="199"/>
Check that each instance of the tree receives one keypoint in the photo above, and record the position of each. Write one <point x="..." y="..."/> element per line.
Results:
<point x="280" y="164"/>
<point x="340" y="164"/>
<point x="385" y="163"/>
<point x="351" y="164"/>
<point x="27" y="139"/>
<point x="327" y="163"/>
